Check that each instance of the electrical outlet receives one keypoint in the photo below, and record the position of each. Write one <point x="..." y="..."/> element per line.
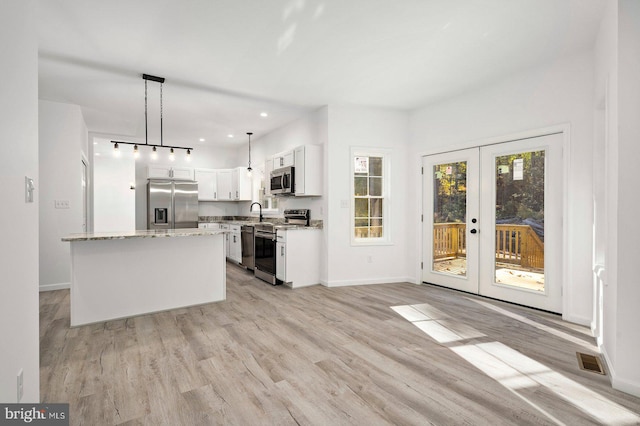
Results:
<point x="20" y="385"/>
<point x="61" y="204"/>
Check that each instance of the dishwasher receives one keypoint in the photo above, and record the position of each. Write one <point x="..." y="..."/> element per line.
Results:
<point x="248" y="259"/>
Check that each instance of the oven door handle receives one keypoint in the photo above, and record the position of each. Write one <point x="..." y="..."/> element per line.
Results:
<point x="270" y="237"/>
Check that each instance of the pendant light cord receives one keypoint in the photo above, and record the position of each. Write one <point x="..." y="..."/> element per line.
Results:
<point x="160" y="114"/>
<point x="146" y="125"/>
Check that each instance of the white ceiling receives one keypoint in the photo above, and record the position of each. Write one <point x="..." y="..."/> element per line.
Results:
<point x="225" y="61"/>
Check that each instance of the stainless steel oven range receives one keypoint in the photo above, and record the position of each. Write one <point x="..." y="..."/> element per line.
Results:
<point x="265" y="252"/>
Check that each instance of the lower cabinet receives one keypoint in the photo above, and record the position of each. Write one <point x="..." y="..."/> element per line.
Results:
<point x="225" y="227"/>
<point x="235" y="244"/>
<point x="298" y="257"/>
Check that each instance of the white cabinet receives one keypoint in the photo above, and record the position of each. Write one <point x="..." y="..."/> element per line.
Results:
<point x="235" y="243"/>
<point x="202" y="225"/>
<point x="281" y="260"/>
<point x="225" y="227"/>
<point x="183" y="173"/>
<point x="284" y="159"/>
<point x="308" y="171"/>
<point x="224" y="185"/>
<point x="298" y="257"/>
<point x="158" y="171"/>
<point x="241" y="184"/>
<point x="207" y="184"/>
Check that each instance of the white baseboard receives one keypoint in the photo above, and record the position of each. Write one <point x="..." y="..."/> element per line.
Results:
<point x="577" y="320"/>
<point x="386" y="280"/>
<point x="51" y="287"/>
<point x="623" y="385"/>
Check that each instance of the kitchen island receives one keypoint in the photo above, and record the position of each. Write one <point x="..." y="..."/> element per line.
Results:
<point x="119" y="275"/>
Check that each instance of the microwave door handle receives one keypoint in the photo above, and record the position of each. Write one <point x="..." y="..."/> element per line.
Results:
<point x="282" y="181"/>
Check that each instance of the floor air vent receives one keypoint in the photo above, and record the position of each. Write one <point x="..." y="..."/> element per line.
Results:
<point x="590" y="363"/>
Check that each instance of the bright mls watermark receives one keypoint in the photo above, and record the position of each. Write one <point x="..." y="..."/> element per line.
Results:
<point x="34" y="414"/>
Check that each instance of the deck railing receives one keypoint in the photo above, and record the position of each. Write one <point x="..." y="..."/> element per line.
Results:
<point x="515" y="244"/>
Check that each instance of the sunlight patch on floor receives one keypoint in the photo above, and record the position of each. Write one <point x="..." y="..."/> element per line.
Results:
<point x="531" y="371"/>
<point x="512" y="369"/>
<point x="558" y="333"/>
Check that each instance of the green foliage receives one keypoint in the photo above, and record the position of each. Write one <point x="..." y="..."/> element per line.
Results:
<point x="524" y="198"/>
<point x="515" y="199"/>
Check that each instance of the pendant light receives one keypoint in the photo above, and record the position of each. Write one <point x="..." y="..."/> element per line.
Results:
<point x="249" y="169"/>
<point x="154" y="153"/>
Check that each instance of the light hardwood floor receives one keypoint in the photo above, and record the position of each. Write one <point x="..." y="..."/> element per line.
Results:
<point x="326" y="356"/>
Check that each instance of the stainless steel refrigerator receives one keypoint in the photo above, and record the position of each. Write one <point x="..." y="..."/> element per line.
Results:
<point x="172" y="204"/>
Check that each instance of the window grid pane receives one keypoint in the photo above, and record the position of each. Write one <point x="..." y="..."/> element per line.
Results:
<point x="368" y="197"/>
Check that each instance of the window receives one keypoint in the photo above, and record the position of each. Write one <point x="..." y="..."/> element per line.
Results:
<point x="269" y="203"/>
<point x="370" y="196"/>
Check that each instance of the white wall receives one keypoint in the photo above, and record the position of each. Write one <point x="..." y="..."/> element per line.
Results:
<point x="114" y="202"/>
<point x="308" y="130"/>
<point x="606" y="92"/>
<point x="377" y="128"/>
<point x="560" y="92"/>
<point x="19" y="220"/>
<point x="62" y="145"/>
<point x="618" y="67"/>
<point x="628" y="202"/>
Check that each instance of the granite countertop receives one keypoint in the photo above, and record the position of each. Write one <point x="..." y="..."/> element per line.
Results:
<point x="278" y="222"/>
<point x="155" y="233"/>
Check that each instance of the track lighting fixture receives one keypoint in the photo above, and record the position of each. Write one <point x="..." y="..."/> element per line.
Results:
<point x="116" y="148"/>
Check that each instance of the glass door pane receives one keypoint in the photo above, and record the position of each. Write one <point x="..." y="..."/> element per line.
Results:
<point x="519" y="217"/>
<point x="449" y="218"/>
<point x="521" y="240"/>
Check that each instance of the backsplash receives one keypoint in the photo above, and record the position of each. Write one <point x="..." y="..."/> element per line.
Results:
<point x="274" y="220"/>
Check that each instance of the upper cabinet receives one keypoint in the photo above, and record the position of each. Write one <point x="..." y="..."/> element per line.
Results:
<point x="158" y="171"/>
<point x="207" y="184"/>
<point x="307" y="163"/>
<point x="223" y="184"/>
<point x="283" y="159"/>
<point x="308" y="171"/>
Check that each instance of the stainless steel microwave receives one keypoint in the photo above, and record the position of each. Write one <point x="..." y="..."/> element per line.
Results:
<point x="283" y="181"/>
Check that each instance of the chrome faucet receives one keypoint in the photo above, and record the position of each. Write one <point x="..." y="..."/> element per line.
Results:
<point x="259" y="205"/>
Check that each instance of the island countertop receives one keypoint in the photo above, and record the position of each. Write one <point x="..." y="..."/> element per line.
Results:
<point x="154" y="233"/>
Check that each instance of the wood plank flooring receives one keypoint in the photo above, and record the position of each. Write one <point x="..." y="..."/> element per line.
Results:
<point x="326" y="356"/>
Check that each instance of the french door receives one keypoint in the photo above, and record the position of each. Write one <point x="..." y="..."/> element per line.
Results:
<point x="492" y="219"/>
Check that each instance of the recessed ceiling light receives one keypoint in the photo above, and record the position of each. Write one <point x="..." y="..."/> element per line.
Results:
<point x="97" y="154"/>
<point x="95" y="143"/>
<point x="201" y="139"/>
<point x="263" y="114"/>
<point x="229" y="135"/>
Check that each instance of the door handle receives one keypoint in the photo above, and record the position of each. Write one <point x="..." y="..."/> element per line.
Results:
<point x="282" y="251"/>
<point x="474" y="231"/>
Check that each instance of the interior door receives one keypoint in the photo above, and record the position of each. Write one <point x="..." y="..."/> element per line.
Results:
<point x="450" y="219"/>
<point x="492" y="221"/>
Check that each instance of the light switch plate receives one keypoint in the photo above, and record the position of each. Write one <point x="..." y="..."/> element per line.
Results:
<point x="61" y="204"/>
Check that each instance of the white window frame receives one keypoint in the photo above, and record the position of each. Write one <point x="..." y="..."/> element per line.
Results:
<point x="385" y="153"/>
<point x="259" y="181"/>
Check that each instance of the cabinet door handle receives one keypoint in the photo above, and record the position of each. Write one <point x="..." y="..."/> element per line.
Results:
<point x="215" y="194"/>
<point x="234" y="238"/>
<point x="237" y="195"/>
<point x="282" y="251"/>
<point x="229" y="195"/>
